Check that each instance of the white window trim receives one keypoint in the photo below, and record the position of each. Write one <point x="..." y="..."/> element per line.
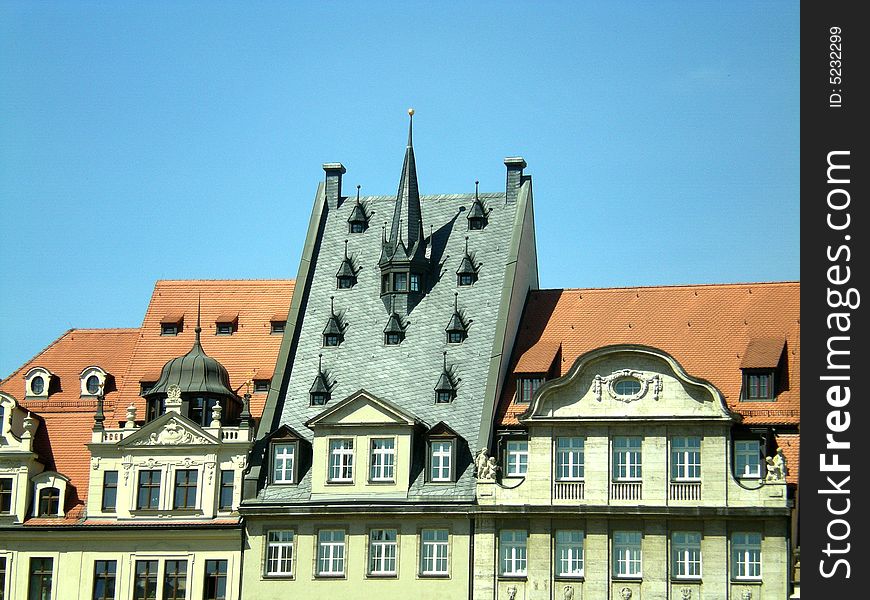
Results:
<point x="683" y="556"/>
<point x="631" y="462"/>
<point x="683" y="456"/>
<point x="197" y="502"/>
<point x="346" y="460"/>
<point x="384" y="545"/>
<point x="448" y="455"/>
<point x="293" y="455"/>
<point x="628" y="561"/>
<point x="49" y="479"/>
<point x="86" y="374"/>
<point x="332" y="545"/>
<point x="281" y="546"/>
<point x="570" y="453"/>
<point x="435" y="545"/>
<point x="756" y="454"/>
<point x="513" y="467"/>
<point x="557" y="559"/>
<point x="46" y="375"/>
<point x="383" y="453"/>
<point x="513" y="552"/>
<point x="744" y="549"/>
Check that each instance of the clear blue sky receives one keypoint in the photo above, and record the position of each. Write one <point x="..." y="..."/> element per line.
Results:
<point x="151" y="140"/>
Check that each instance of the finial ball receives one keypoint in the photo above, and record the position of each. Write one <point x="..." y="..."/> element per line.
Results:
<point x="411" y="111"/>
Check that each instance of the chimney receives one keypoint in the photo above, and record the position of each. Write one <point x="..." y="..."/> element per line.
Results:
<point x="515" y="166"/>
<point x="334" y="171"/>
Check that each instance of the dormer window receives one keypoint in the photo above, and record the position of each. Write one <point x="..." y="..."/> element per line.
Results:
<point x="443" y="397"/>
<point x="261" y="385"/>
<point x="49" y="502"/>
<point x="357" y="226"/>
<point x="758" y="384"/>
<point x="394" y="332"/>
<point x="171" y="324"/>
<point x="93" y="380"/>
<point x="393" y="339"/>
<point x="358" y="220"/>
<point x="759" y="365"/>
<point x="226" y="324"/>
<point x="457" y="330"/>
<point x="445" y="388"/>
<point x="466" y="274"/>
<point x="477" y="214"/>
<point x="441" y="451"/>
<point x="331" y="339"/>
<point x="333" y="333"/>
<point x="92" y="385"/>
<point x="37" y="382"/>
<point x="277" y="324"/>
<point x="467" y="279"/>
<point x="49" y="493"/>
<point x="319" y="394"/>
<point x="527" y="385"/>
<point x="346" y="275"/>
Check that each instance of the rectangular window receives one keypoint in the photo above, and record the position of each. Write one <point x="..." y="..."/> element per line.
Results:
<point x="341" y="460"/>
<point x="569" y="553"/>
<point x="224" y="329"/>
<point x="168" y="329"/>
<point x="626" y="458"/>
<point x="49" y="502"/>
<point x="512" y="549"/>
<point x="185" y="488"/>
<point x="278" y="326"/>
<point x="149" y="490"/>
<point x="279" y="553"/>
<point x="400" y="282"/>
<point x="330" y="552"/>
<point x="104" y="579"/>
<point x="145" y="580"/>
<point x="433" y="552"/>
<point x="758" y="385"/>
<point x="225" y="500"/>
<point x="39" y="587"/>
<point x="175" y="580"/>
<point x="569" y="458"/>
<point x="415" y="282"/>
<point x="283" y="462"/>
<point x="686" y="458"/>
<point x="382" y="552"/>
<point x="261" y="385"/>
<point x="5" y="495"/>
<point x="526" y="388"/>
<point x="626" y="554"/>
<point x="110" y="491"/>
<point x="747" y="458"/>
<point x="746" y="555"/>
<point x="686" y="554"/>
<point x="215" y="584"/>
<point x="517" y="458"/>
<point x="2" y="578"/>
<point x="441" y="461"/>
<point x="382" y="460"/>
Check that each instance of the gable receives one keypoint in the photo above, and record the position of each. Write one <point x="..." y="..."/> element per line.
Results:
<point x="362" y="408"/>
<point x="170" y="429"/>
<point x="623" y="383"/>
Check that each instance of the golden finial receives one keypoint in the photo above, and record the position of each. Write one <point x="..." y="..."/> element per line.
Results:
<point x="411" y="111"/>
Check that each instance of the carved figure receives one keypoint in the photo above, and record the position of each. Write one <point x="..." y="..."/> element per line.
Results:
<point x="512" y="592"/>
<point x="776" y="467"/>
<point x="686" y="593"/>
<point x="480" y="462"/>
<point x="491" y="469"/>
<point x="568" y="593"/>
<point x="625" y="593"/>
<point x="746" y="595"/>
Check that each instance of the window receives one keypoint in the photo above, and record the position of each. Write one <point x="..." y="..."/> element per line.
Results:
<point x="626" y="554"/>
<point x="261" y="385"/>
<point x="686" y="458"/>
<point x="40" y="579"/>
<point x="331" y="339"/>
<point x="283" y="462"/>
<point x="627" y="386"/>
<point x="345" y="282"/>
<point x="185" y="488"/>
<point x="357" y="226"/>
<point x="224" y="329"/>
<point x="200" y="409"/>
<point x="382" y="462"/>
<point x="517" y="458"/>
<point x="512" y="549"/>
<point x="318" y="398"/>
<point x="400" y="282"/>
<point x="758" y="385"/>
<point x="145" y="580"/>
<point x="92" y="384"/>
<point x="168" y="329"/>
<point x="215" y="585"/>
<point x="392" y="339"/>
<point x="467" y="278"/>
<point x="49" y="502"/>
<point x="747" y="458"/>
<point x="476" y="223"/>
<point x="225" y="500"/>
<point x="455" y="337"/>
<point x="569" y="458"/>
<point x="279" y="553"/>
<point x="686" y="554"/>
<point x="37" y="385"/>
<point x="746" y="556"/>
<point x="154" y="407"/>
<point x="2" y="578"/>
<point x="5" y="495"/>
<point x="526" y="388"/>
<point x="110" y="491"/>
<point x="443" y="396"/>
<point x="433" y="552"/>
<point x="277" y="327"/>
<point x="341" y="460"/>
<point x="149" y="490"/>
<point x="330" y="552"/>
<point x="104" y="579"/>
<point x="414" y="282"/>
<point x="382" y="552"/>
<point x="569" y="553"/>
<point x="626" y="458"/>
<point x="440" y="461"/>
<point x="175" y="580"/>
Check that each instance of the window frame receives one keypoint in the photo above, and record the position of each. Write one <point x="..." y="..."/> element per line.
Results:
<point x="262" y="385"/>
<point x="214" y="574"/>
<point x="49" y="497"/>
<point x="752" y="385"/>
<point x="189" y="484"/>
<point x="436" y="544"/>
<point x="686" y="554"/>
<point x="572" y="558"/>
<point x="275" y="444"/>
<point x="280" y="558"/>
<point x="42" y="576"/>
<point x="332" y="543"/>
<point x="109" y="578"/>
<point x="147" y="577"/>
<point x="570" y="451"/>
<point x="513" y="550"/>
<point x="629" y="547"/>
<point x="527" y="385"/>
<point x="345" y="460"/>
<point x="169" y="582"/>
<point x="686" y="457"/>
<point x="627" y="459"/>
<point x="744" y="548"/>
<point x="382" y="454"/>
<point x="384" y="547"/>
<point x="104" y="505"/>
<point x="518" y="468"/>
<point x="223" y="486"/>
<point x="150" y="485"/>
<point x="449" y="455"/>
<point x="6" y="494"/>
<point x="744" y="457"/>
<point x="277" y="327"/>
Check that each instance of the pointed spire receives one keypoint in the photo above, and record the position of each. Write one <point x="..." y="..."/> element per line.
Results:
<point x="198" y="329"/>
<point x="456" y="329"/>
<point x="445" y="389"/>
<point x="410" y="127"/>
<point x="477" y="213"/>
<point x="358" y="215"/>
<point x="407" y="216"/>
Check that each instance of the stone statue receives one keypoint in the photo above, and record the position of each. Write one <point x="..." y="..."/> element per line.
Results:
<point x="512" y="592"/>
<point x="625" y="593"/>
<point x="776" y="468"/>
<point x="569" y="593"/>
<point x="480" y="462"/>
<point x="491" y="469"/>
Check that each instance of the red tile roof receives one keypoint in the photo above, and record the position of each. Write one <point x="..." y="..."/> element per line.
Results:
<point x="706" y="328"/>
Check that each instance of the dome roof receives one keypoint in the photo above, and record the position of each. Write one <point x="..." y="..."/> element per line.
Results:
<point x="195" y="373"/>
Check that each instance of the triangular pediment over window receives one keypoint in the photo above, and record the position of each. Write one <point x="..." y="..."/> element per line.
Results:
<point x="170" y="429"/>
<point x="363" y="408"/>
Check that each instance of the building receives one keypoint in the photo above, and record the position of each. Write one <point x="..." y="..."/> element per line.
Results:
<point x="123" y="450"/>
<point x="398" y="339"/>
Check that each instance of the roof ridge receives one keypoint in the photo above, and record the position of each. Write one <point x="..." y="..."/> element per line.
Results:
<point x="285" y="280"/>
<point x="103" y="329"/>
<point x="32" y="358"/>
<point x="672" y="286"/>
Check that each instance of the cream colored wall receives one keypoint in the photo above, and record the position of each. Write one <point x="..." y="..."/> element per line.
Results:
<point x="357" y="583"/>
<point x="75" y="551"/>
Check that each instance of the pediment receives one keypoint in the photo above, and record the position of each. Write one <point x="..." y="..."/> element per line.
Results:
<point x="170" y="429"/>
<point x="363" y="408"/>
<point x="624" y="383"/>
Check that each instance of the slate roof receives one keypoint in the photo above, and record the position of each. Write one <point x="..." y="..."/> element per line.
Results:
<point x="405" y="374"/>
<point x="708" y="329"/>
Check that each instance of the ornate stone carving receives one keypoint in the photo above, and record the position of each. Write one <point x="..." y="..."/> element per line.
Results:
<point x="209" y="471"/>
<point x="241" y="461"/>
<point x="746" y="595"/>
<point x="776" y="467"/>
<point x="512" y="592"/>
<point x="95" y="462"/>
<point x="686" y="593"/>
<point x="647" y="383"/>
<point x="625" y="593"/>
<point x="172" y="434"/>
<point x="485" y="465"/>
<point x="568" y="593"/>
